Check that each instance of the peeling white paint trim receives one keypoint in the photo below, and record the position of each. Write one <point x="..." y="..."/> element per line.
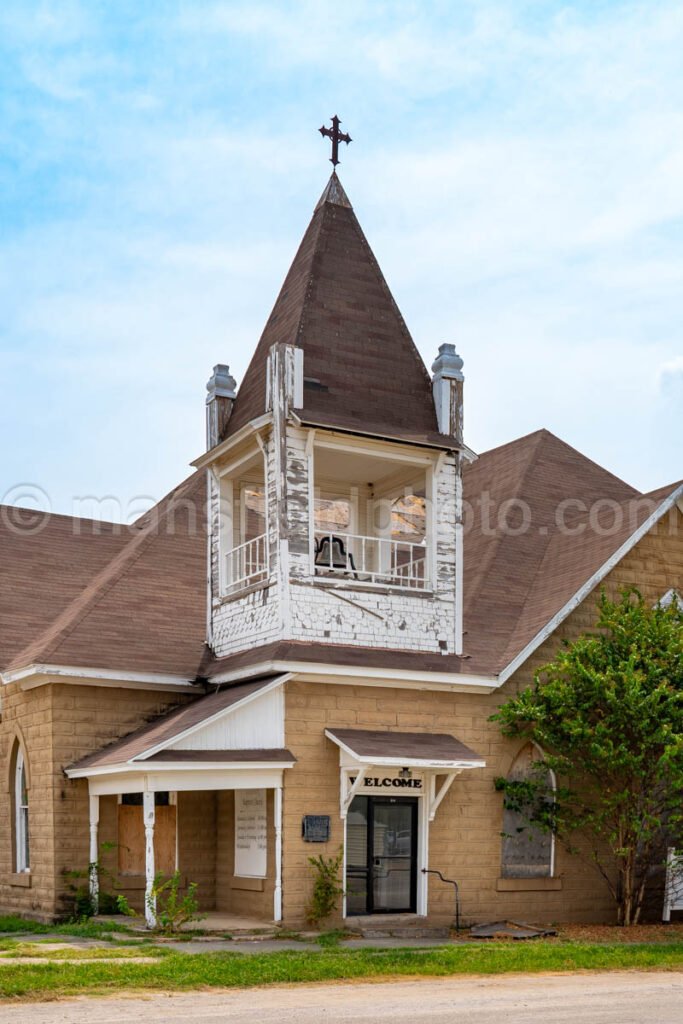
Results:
<point x="459" y="557"/>
<point x="225" y="446"/>
<point x="675" y="498"/>
<point x="40" y="675"/>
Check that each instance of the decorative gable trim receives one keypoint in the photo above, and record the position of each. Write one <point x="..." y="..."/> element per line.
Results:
<point x="191" y="738"/>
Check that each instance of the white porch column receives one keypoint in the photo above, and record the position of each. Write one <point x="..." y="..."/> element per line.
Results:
<point x="277" y="899"/>
<point x="148" y="817"/>
<point x="93" y="871"/>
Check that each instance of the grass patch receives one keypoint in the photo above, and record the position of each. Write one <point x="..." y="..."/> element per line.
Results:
<point x="85" y="929"/>
<point x="178" y="972"/>
<point x="47" y="951"/>
<point x="330" y="940"/>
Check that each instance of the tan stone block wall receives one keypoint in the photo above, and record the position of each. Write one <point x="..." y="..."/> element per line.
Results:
<point x="197" y="844"/>
<point x="61" y="723"/>
<point x="248" y="897"/>
<point x="85" y="719"/>
<point x="29" y="716"/>
<point x="465" y="837"/>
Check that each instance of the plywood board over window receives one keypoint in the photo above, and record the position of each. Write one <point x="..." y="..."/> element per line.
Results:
<point x="131" y="839"/>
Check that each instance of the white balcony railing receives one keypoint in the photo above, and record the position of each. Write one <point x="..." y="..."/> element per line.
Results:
<point x="394" y="563"/>
<point x="247" y="564"/>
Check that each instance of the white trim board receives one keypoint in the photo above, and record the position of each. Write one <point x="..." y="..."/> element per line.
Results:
<point x="182" y="780"/>
<point x="675" y="498"/>
<point x="322" y="672"/>
<point x="231" y="442"/>
<point x="138" y="771"/>
<point x="32" y="676"/>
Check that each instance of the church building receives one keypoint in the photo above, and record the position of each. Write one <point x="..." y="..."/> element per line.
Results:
<point x="299" y="649"/>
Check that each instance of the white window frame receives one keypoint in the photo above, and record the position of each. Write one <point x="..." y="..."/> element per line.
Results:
<point x="429" y="464"/>
<point x="232" y="510"/>
<point x="21" y="828"/>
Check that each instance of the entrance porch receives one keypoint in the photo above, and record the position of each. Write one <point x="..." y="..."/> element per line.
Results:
<point x="391" y="787"/>
<point x="197" y="791"/>
<point x="219" y="828"/>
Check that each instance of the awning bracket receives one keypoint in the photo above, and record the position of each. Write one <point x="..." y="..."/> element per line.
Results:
<point x="437" y="797"/>
<point x="348" y="792"/>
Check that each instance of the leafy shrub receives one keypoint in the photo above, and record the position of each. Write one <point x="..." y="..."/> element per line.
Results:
<point x="327" y="887"/>
<point x="172" y="908"/>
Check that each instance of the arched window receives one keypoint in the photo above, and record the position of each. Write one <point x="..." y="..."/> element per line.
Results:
<point x="21" y="843"/>
<point x="528" y="852"/>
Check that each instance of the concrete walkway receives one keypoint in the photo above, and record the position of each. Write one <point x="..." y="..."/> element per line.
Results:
<point x="614" y="998"/>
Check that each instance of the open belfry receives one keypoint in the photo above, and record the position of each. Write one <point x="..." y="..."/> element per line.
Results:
<point x="299" y="649"/>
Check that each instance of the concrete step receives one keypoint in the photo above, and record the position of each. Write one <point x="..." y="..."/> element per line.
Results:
<point x="406" y="933"/>
<point x="397" y="926"/>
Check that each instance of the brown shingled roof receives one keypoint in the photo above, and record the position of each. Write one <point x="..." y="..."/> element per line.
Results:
<point x="361" y="367"/>
<point x="410" y="746"/>
<point x="514" y="585"/>
<point x="145" y="609"/>
<point x="46" y="561"/>
<point x="133" y="598"/>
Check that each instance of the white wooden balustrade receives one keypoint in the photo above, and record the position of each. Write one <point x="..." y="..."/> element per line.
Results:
<point x="393" y="563"/>
<point x="247" y="563"/>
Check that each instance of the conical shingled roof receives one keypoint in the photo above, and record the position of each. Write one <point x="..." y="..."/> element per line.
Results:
<point x="362" y="371"/>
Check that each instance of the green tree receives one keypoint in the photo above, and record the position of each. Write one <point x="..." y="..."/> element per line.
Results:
<point x="608" y="715"/>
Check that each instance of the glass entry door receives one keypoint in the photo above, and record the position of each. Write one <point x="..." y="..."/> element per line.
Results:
<point x="381" y="855"/>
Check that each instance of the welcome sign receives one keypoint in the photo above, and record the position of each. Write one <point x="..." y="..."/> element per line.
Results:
<point x="391" y="784"/>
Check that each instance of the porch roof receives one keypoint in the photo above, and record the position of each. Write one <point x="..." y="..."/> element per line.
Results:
<point x="263" y="754"/>
<point x="409" y="749"/>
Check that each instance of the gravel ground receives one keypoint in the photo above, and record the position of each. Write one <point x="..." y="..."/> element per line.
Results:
<point x="613" y="998"/>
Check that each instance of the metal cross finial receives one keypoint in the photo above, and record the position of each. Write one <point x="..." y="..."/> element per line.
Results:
<point x="336" y="136"/>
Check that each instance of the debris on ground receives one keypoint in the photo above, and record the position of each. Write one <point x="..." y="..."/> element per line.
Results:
<point x="510" y="930"/>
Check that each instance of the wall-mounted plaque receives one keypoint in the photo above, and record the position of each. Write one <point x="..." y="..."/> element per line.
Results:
<point x="315" y="828"/>
<point x="251" y="833"/>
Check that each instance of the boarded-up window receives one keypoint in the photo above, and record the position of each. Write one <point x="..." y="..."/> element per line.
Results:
<point x="132" y="837"/>
<point x="527" y="851"/>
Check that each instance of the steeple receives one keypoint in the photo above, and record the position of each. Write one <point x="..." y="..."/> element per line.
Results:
<point x="362" y="371"/>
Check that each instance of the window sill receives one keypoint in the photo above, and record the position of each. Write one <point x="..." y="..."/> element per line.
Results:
<point x="228" y="596"/>
<point x="21" y="878"/>
<point x="362" y="586"/>
<point x="248" y="884"/>
<point x="528" y="884"/>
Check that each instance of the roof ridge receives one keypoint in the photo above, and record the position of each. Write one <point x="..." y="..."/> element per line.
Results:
<point x="314" y="260"/>
<point x="51" y="639"/>
<point x="552" y="531"/>
<point x="422" y="366"/>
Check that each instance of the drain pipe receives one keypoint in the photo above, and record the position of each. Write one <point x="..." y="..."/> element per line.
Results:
<point x="448" y="881"/>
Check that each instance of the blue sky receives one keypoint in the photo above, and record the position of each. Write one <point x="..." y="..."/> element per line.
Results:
<point x="517" y="168"/>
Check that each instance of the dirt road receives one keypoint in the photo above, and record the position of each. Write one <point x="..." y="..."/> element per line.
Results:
<point x="612" y="998"/>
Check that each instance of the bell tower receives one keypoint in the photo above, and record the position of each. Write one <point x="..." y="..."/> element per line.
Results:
<point x="335" y="468"/>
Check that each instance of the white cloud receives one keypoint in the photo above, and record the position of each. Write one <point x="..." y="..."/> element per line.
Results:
<point x="519" y="181"/>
